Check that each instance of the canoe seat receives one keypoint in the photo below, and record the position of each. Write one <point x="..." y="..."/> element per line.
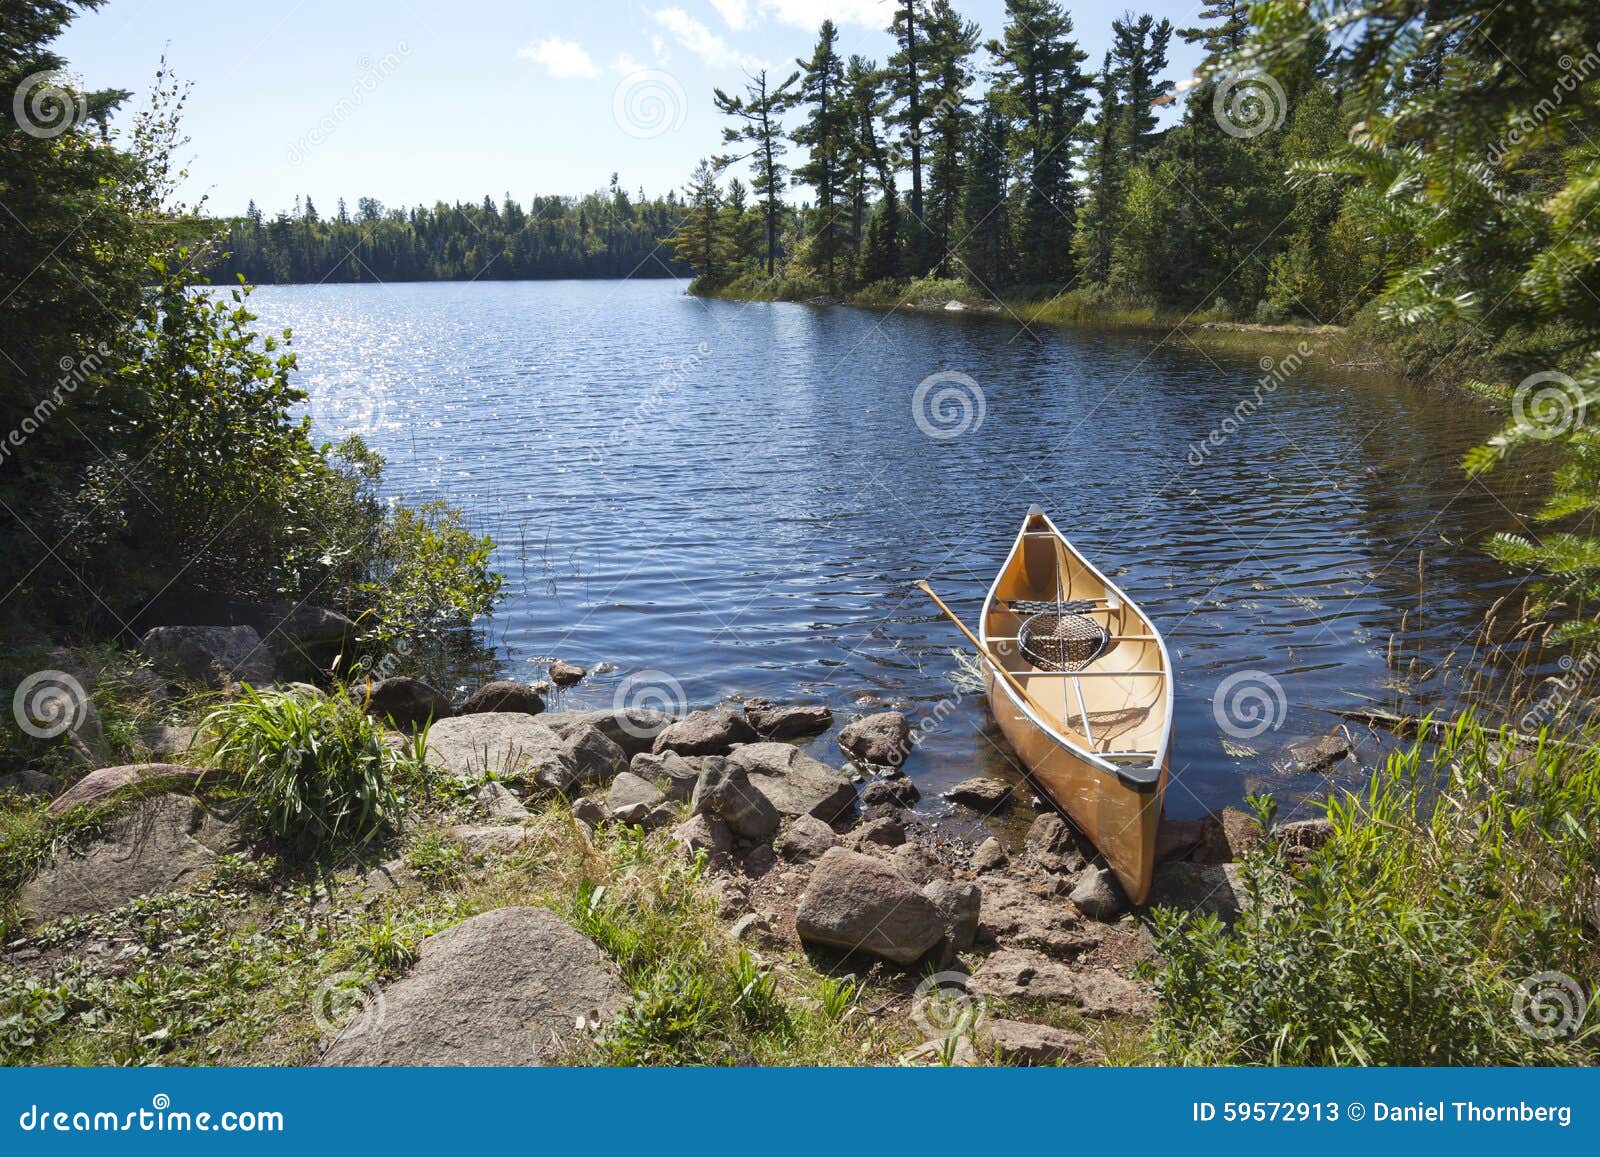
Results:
<point x="1055" y="641"/>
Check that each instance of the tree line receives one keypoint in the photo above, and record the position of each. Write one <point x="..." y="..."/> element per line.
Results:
<point x="607" y="233"/>
<point x="1011" y="163"/>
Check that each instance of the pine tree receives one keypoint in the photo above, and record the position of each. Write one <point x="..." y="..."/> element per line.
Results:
<point x="985" y="249"/>
<point x="951" y="43"/>
<point x="1040" y="86"/>
<point x="1139" y="46"/>
<point x="700" y="240"/>
<point x="825" y="134"/>
<point x="1104" y="165"/>
<point x="860" y="160"/>
<point x="907" y="76"/>
<point x="759" y="114"/>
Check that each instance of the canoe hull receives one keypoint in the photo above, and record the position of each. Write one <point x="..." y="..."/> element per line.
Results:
<point x="1119" y="821"/>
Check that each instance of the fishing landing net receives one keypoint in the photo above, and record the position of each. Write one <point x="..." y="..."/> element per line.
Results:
<point x="1059" y="636"/>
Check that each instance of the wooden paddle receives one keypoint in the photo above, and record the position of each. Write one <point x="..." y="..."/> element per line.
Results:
<point x="1010" y="679"/>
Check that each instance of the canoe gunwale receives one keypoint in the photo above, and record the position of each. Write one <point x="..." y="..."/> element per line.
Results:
<point x="1142" y="779"/>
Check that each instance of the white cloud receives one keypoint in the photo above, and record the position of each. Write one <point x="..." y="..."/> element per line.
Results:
<point x="564" y="59"/>
<point x="808" y="14"/>
<point x="735" y="12"/>
<point x="700" y="40"/>
<point x="625" y="64"/>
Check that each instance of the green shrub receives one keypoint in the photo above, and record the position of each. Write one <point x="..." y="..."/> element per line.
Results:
<point x="315" y="770"/>
<point x="1463" y="871"/>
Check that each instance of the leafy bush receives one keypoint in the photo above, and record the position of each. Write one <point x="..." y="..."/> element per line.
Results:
<point x="316" y="770"/>
<point x="1461" y="872"/>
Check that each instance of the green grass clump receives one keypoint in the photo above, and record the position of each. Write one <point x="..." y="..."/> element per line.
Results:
<point x="1463" y="871"/>
<point x="316" y="771"/>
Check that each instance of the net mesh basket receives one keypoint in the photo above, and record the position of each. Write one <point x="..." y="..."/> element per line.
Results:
<point x="1053" y="641"/>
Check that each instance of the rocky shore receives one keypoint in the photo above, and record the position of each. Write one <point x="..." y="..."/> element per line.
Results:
<point x="817" y="860"/>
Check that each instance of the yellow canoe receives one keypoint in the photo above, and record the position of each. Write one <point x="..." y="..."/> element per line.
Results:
<point x="1089" y="705"/>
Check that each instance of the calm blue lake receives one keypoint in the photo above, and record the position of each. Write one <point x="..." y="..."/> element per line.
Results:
<point x="735" y="499"/>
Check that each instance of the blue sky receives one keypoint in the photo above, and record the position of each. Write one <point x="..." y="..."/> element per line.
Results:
<point x="416" y="100"/>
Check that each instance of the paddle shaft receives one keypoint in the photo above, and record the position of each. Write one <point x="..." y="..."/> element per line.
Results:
<point x="1010" y="679"/>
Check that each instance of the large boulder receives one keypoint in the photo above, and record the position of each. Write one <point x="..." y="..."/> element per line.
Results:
<point x="776" y="721"/>
<point x="503" y="988"/>
<point x="883" y="739"/>
<point x="633" y="729"/>
<point x="505" y="745"/>
<point x="101" y="785"/>
<point x="213" y="656"/>
<point x="724" y="790"/>
<point x="705" y="733"/>
<point x="502" y="695"/>
<point x="165" y="843"/>
<point x="403" y="701"/>
<point x="860" y="903"/>
<point x="795" y="783"/>
<point x="594" y="756"/>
